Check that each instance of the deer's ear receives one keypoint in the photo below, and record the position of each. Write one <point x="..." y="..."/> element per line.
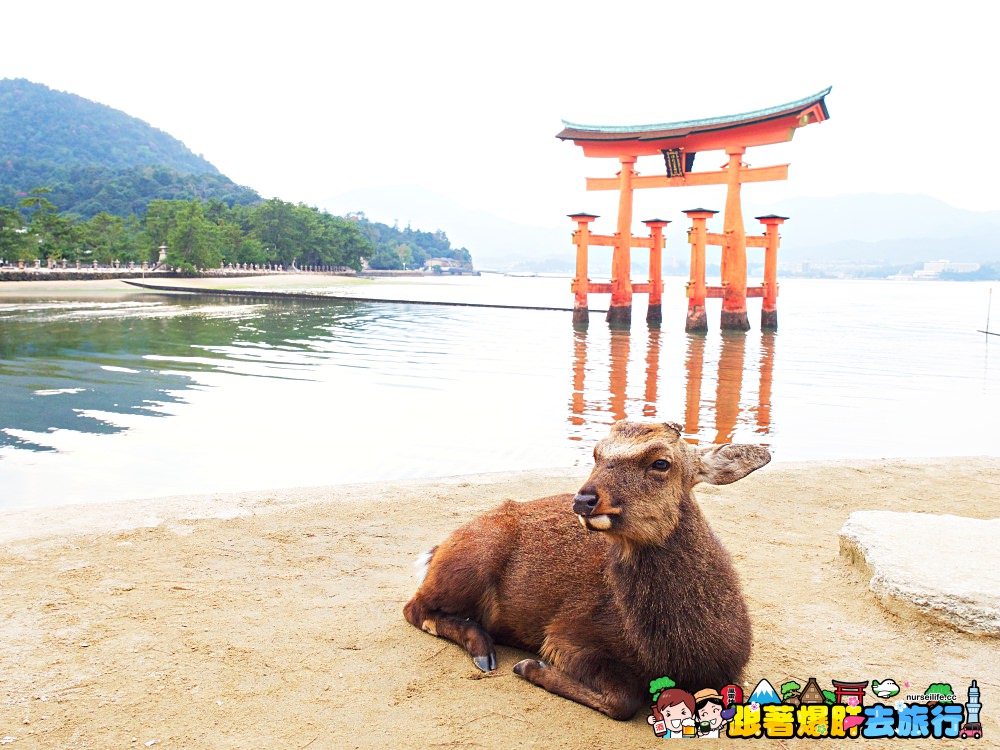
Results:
<point x="724" y="464"/>
<point x="679" y="429"/>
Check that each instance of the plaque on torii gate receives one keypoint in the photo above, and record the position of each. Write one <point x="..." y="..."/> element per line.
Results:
<point x="677" y="143"/>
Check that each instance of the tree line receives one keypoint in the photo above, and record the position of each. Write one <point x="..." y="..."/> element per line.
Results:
<point x="197" y="234"/>
<point x="203" y="234"/>
<point x="406" y="248"/>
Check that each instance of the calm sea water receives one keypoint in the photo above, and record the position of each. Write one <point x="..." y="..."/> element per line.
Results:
<point x="140" y="395"/>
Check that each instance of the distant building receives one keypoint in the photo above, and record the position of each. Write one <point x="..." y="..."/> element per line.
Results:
<point x="447" y="265"/>
<point x="934" y="268"/>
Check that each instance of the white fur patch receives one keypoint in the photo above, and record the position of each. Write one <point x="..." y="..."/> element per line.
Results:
<point x="422" y="564"/>
<point x="599" y="523"/>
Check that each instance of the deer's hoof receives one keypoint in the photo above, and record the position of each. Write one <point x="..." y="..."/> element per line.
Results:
<point x="526" y="665"/>
<point x="485" y="663"/>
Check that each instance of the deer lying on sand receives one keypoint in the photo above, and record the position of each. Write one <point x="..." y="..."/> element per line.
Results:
<point x="643" y="590"/>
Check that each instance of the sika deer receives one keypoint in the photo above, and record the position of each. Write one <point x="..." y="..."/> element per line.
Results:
<point x="643" y="590"/>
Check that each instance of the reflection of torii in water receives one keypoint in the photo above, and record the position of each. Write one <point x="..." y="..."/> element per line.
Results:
<point x="728" y="389"/>
<point x="729" y="385"/>
<point x="620" y="347"/>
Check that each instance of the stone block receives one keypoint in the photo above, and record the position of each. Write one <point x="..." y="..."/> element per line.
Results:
<point x="939" y="566"/>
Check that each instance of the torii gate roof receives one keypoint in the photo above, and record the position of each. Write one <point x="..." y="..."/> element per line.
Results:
<point x="757" y="128"/>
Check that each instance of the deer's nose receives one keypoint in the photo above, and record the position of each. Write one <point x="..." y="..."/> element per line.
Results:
<point x="584" y="504"/>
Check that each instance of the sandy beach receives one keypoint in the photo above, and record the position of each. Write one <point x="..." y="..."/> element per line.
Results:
<point x="273" y="619"/>
<point x="102" y="286"/>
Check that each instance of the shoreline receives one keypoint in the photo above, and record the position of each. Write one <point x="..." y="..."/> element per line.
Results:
<point x="24" y="523"/>
<point x="273" y="618"/>
<point x="42" y="522"/>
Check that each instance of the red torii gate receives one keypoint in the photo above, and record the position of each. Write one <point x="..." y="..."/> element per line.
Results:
<point x="678" y="142"/>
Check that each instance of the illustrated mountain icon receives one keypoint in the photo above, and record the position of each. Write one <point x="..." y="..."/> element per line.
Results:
<point x="764" y="694"/>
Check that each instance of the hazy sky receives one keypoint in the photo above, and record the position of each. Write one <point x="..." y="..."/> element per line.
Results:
<point x="306" y="101"/>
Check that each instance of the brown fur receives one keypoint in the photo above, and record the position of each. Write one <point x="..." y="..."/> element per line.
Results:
<point x="608" y="611"/>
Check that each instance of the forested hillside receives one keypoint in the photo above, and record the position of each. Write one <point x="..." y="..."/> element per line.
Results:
<point x="80" y="181"/>
<point x="94" y="158"/>
<point x="397" y="248"/>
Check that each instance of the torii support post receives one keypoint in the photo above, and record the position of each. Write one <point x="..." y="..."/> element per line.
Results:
<point x="734" y="252"/>
<point x="620" y="310"/>
<point x="697" y="320"/>
<point x="581" y="284"/>
<point x="769" y="310"/>
<point x="654" y="313"/>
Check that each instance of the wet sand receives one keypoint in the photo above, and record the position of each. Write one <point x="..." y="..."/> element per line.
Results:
<point x="273" y="619"/>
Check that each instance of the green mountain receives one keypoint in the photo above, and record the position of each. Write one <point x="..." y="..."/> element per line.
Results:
<point x="113" y="187"/>
<point x="95" y="158"/>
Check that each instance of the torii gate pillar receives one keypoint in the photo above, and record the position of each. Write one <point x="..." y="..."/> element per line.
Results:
<point x="581" y="284"/>
<point x="620" y="310"/>
<point x="697" y="320"/>
<point x="654" y="313"/>
<point x="734" y="251"/>
<point x="769" y="309"/>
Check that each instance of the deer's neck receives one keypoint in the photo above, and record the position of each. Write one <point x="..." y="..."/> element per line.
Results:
<point x="657" y="589"/>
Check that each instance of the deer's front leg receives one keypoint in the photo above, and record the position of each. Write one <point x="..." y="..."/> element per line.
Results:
<point x="611" y="691"/>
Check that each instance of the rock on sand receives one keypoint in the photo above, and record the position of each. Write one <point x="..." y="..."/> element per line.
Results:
<point x="940" y="566"/>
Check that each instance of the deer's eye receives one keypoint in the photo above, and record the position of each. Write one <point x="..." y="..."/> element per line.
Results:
<point x="660" y="465"/>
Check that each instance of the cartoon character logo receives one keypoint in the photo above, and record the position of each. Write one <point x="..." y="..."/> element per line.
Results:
<point x="673" y="710"/>
<point x="972" y="729"/>
<point x="711" y="713"/>
<point x="885" y="689"/>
